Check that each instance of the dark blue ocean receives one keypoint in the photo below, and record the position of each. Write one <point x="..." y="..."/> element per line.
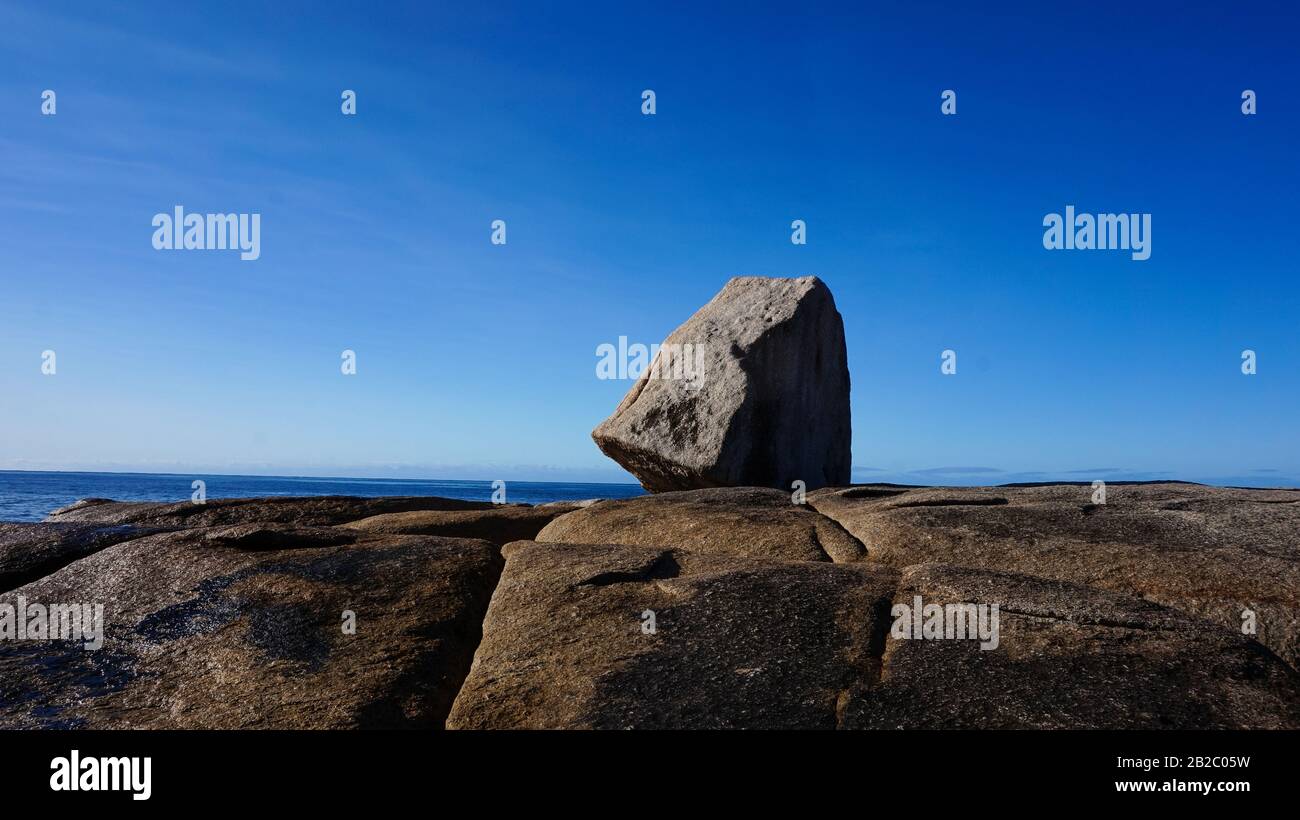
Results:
<point x="30" y="496"/>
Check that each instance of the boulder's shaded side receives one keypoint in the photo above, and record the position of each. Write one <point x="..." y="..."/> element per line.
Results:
<point x="500" y="525"/>
<point x="243" y="627"/>
<point x="1209" y="551"/>
<point x="311" y="511"/>
<point x="737" y="643"/>
<point x="745" y="643"/>
<point x="753" y="390"/>
<point x="754" y="522"/>
<point x="31" y="551"/>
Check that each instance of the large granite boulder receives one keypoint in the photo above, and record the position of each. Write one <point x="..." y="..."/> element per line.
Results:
<point x="742" y="643"/>
<point x="753" y="390"/>
<point x="312" y="511"/>
<point x="245" y="626"/>
<point x="1231" y="556"/>
<point x="754" y="522"/>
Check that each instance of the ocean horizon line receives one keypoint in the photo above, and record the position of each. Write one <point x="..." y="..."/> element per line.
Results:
<point x="927" y="477"/>
<point x="305" y="477"/>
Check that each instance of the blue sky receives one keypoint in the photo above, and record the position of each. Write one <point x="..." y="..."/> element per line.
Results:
<point x="478" y="361"/>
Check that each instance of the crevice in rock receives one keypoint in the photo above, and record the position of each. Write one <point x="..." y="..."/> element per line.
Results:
<point x="952" y="502"/>
<point x="817" y="541"/>
<point x="458" y="676"/>
<point x="865" y="550"/>
<point x="16" y="578"/>
<point x="873" y="492"/>
<point x="881" y="619"/>
<point x="1110" y="623"/>
<point x="866" y="553"/>
<point x="11" y="581"/>
<point x="881" y="622"/>
<point x="662" y="567"/>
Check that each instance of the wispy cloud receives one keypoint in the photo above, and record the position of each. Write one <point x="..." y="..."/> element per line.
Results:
<point x="960" y="471"/>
